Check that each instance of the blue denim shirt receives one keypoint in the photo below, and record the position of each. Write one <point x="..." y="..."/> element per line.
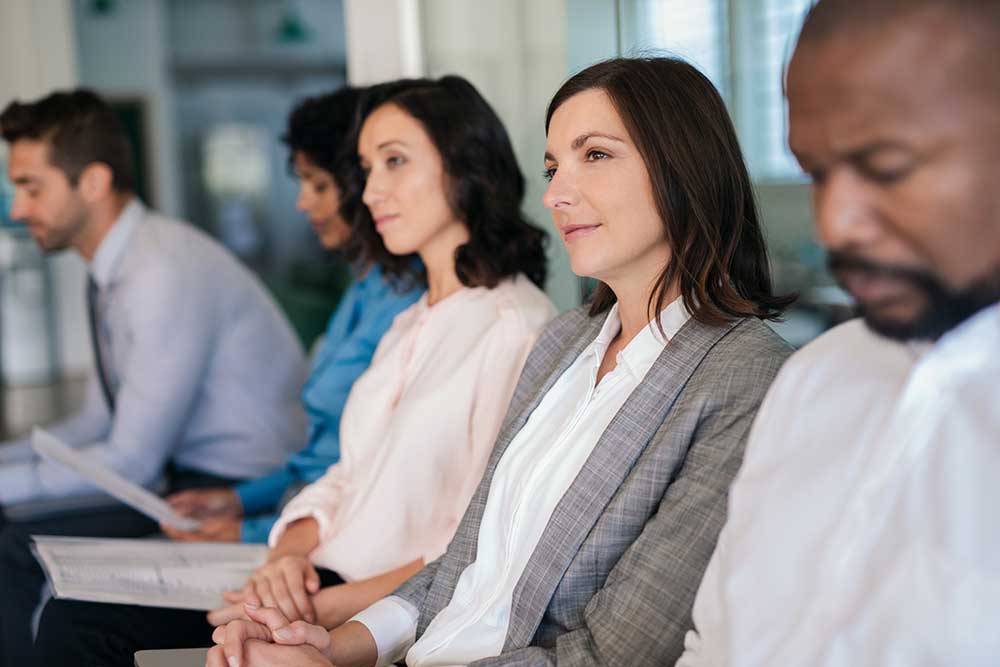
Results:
<point x="365" y="312"/>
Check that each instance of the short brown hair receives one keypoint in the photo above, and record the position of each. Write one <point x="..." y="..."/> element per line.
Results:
<point x="700" y="183"/>
<point x="80" y="129"/>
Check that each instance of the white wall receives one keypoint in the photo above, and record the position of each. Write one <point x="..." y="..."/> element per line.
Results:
<point x="384" y="40"/>
<point x="36" y="48"/>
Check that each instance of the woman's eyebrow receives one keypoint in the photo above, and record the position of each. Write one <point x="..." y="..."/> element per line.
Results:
<point x="582" y="139"/>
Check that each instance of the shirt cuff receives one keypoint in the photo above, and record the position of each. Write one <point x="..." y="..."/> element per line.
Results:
<point x="392" y="621"/>
<point x="692" y="649"/>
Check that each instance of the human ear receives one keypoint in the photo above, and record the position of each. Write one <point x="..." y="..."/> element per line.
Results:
<point x="95" y="182"/>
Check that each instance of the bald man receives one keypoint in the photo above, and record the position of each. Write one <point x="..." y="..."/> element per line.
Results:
<point x="862" y="527"/>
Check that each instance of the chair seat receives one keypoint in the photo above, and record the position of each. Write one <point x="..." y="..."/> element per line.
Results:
<point x="177" y="657"/>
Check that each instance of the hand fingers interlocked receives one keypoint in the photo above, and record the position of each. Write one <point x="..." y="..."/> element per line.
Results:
<point x="286" y="584"/>
<point x="265" y="624"/>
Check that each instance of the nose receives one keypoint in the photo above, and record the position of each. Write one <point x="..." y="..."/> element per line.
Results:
<point x="374" y="191"/>
<point x="19" y="209"/>
<point x="561" y="191"/>
<point x="304" y="200"/>
<point x="845" y="212"/>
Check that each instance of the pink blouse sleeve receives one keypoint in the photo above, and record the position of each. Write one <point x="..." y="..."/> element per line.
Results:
<point x="319" y="500"/>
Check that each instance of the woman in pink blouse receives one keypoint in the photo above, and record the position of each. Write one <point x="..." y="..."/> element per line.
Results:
<point x="442" y="193"/>
<point x="440" y="182"/>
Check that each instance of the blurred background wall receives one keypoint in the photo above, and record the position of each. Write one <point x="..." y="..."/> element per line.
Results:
<point x="205" y="86"/>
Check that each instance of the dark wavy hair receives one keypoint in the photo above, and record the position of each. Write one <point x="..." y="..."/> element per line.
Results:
<point x="80" y="129"/>
<point x="484" y="187"/>
<point x="700" y="184"/>
<point x="320" y="128"/>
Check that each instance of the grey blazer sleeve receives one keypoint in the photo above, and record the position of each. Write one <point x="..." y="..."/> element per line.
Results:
<point x="415" y="589"/>
<point x="636" y="618"/>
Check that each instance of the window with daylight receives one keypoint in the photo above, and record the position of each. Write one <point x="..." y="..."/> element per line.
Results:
<point x="743" y="47"/>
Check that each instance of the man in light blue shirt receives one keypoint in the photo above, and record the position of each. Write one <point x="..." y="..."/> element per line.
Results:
<point x="196" y="367"/>
<point x="316" y="131"/>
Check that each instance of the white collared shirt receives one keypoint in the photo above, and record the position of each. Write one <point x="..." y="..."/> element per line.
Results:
<point x="112" y="248"/>
<point x="534" y="473"/>
<point x="204" y="367"/>
<point x="862" y="527"/>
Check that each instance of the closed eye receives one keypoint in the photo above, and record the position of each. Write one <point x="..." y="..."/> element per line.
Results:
<point x="885" y="175"/>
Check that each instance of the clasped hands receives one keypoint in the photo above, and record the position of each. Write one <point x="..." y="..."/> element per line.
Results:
<point x="266" y="637"/>
<point x="286" y="584"/>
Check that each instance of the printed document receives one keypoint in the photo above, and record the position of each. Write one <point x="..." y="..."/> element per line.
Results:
<point x="128" y="492"/>
<point x="154" y="573"/>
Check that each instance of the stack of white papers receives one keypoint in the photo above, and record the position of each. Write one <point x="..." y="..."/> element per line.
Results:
<point x="154" y="573"/>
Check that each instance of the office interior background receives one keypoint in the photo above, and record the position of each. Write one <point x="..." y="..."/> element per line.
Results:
<point x="204" y="88"/>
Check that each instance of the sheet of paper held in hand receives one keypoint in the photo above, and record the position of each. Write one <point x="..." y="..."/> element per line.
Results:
<point x="109" y="481"/>
<point x="154" y="573"/>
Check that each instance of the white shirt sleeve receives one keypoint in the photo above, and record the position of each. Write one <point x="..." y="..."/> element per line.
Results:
<point x="392" y="621"/>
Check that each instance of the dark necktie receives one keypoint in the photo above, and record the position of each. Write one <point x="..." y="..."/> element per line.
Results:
<point x="102" y="369"/>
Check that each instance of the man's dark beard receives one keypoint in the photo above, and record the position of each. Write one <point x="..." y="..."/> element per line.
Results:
<point x="945" y="309"/>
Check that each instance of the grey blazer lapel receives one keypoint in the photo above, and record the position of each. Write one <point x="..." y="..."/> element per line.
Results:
<point x="551" y="368"/>
<point x="605" y="470"/>
<point x="548" y="362"/>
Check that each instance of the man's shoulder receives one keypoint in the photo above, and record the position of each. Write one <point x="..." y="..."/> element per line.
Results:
<point x="158" y="227"/>
<point x="851" y="343"/>
<point x="166" y="245"/>
<point x="848" y="358"/>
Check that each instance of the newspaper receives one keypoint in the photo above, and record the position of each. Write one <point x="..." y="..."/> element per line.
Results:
<point x="128" y="492"/>
<point x="153" y="573"/>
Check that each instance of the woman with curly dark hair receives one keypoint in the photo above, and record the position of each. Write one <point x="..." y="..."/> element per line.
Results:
<point x="437" y="180"/>
<point x="483" y="186"/>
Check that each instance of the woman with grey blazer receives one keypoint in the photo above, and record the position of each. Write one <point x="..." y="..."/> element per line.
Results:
<point x="606" y="490"/>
